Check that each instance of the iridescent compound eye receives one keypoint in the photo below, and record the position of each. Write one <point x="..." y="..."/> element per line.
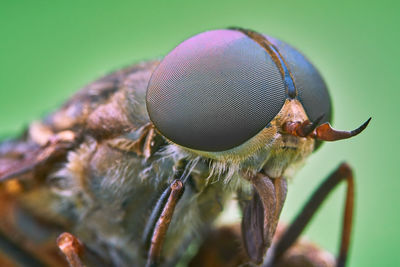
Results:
<point x="215" y="91"/>
<point x="218" y="89"/>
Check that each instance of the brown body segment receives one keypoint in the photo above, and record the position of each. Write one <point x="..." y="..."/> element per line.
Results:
<point x="98" y="111"/>
<point x="101" y="107"/>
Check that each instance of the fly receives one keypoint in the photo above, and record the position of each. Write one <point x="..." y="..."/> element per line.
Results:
<point x="136" y="164"/>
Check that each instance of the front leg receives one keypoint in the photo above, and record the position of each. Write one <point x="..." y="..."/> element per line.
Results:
<point x="161" y="227"/>
<point x="342" y="173"/>
<point x="71" y="247"/>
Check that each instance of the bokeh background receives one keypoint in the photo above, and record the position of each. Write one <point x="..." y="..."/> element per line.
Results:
<point x="49" y="49"/>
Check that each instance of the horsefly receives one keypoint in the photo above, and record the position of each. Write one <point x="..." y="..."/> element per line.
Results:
<point x="136" y="167"/>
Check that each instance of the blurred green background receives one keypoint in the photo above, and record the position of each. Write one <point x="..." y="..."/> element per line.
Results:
<point x="49" y="50"/>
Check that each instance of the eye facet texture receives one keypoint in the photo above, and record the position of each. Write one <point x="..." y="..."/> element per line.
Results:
<point x="311" y="88"/>
<point x="215" y="91"/>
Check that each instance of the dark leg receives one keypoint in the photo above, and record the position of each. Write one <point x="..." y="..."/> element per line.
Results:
<point x="71" y="248"/>
<point x="160" y="229"/>
<point x="343" y="172"/>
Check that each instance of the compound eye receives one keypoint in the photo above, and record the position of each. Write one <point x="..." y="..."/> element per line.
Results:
<point x="215" y="91"/>
<point x="311" y="88"/>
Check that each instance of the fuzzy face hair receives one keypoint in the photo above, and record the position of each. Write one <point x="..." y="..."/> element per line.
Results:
<point x="271" y="151"/>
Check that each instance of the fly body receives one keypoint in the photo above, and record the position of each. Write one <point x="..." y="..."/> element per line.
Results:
<point x="139" y="164"/>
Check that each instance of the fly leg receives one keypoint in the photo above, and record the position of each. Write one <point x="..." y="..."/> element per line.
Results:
<point x="71" y="248"/>
<point x="342" y="173"/>
<point x="164" y="209"/>
<point x="161" y="215"/>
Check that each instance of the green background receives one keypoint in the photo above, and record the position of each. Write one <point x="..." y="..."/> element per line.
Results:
<point x="48" y="50"/>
